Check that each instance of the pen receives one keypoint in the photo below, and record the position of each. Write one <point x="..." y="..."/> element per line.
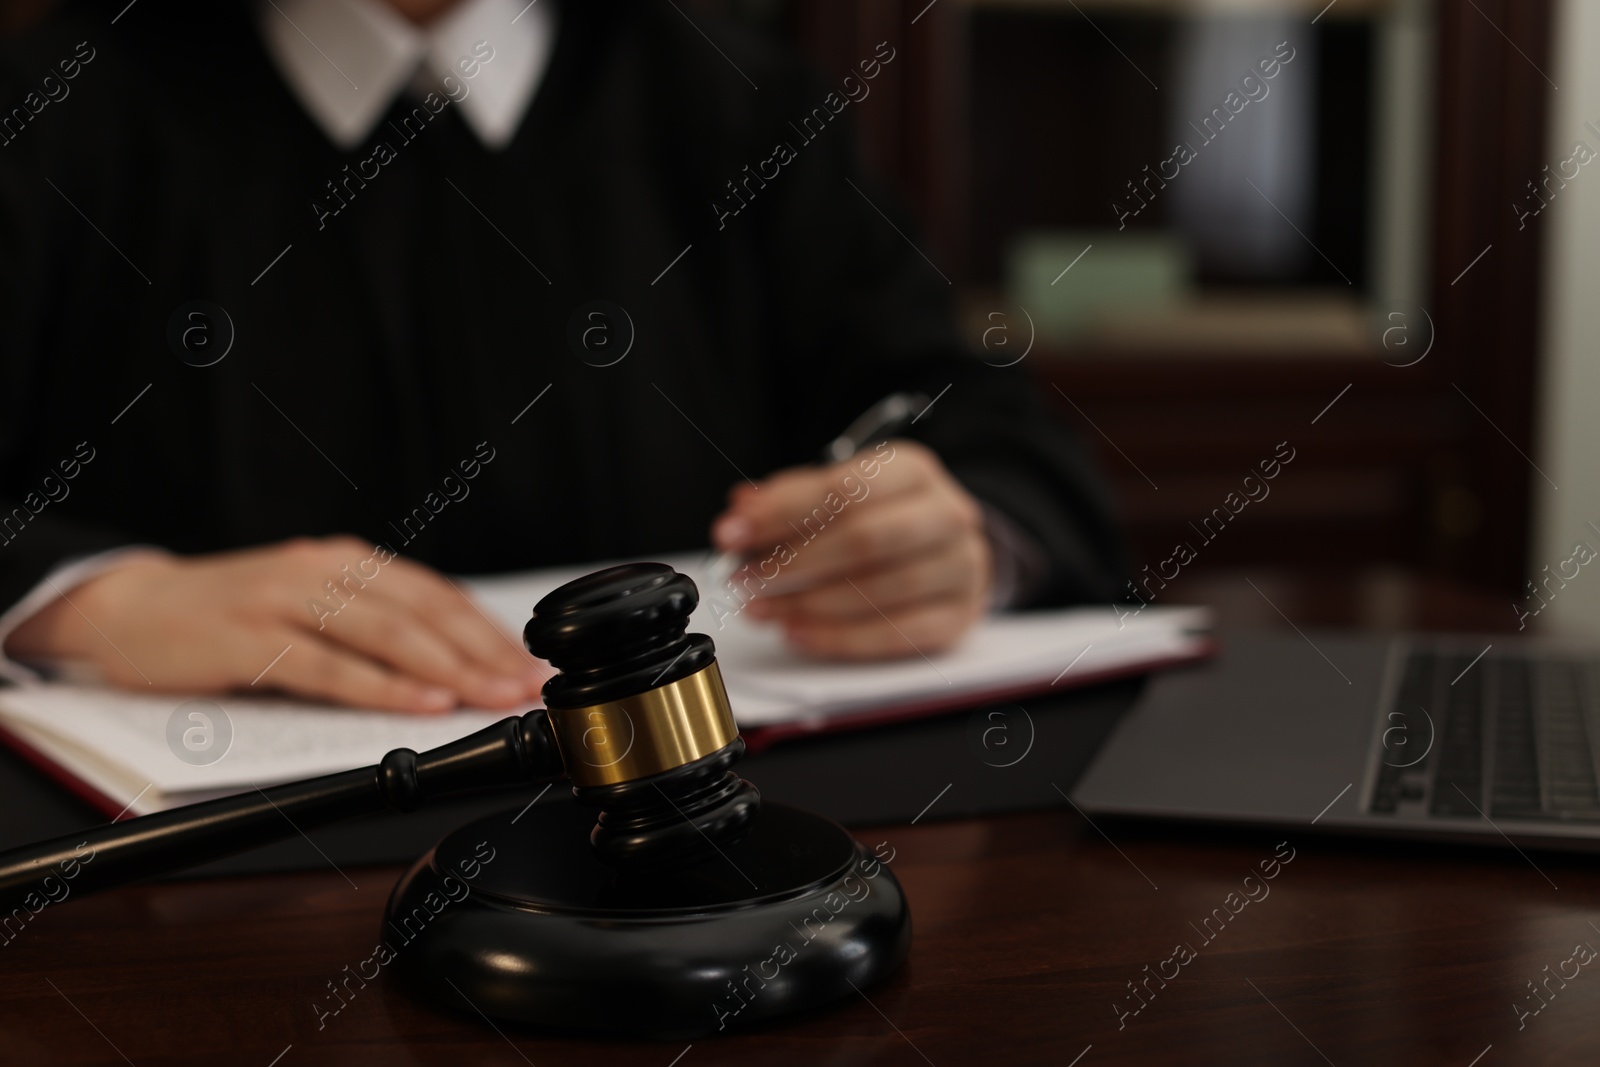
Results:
<point x="885" y="418"/>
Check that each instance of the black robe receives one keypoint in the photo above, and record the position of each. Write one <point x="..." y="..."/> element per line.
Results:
<point x="384" y="351"/>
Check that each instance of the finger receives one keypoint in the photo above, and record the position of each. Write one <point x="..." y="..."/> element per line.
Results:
<point x="323" y="670"/>
<point x="861" y="541"/>
<point x="924" y="629"/>
<point x="470" y="632"/>
<point x="954" y="569"/>
<point x="412" y="588"/>
<point x="387" y="631"/>
<point x="772" y="510"/>
<point x="474" y="630"/>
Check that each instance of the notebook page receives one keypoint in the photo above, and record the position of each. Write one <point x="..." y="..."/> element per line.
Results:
<point x="273" y="740"/>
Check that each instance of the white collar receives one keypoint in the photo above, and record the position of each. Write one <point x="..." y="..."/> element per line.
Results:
<point x="347" y="60"/>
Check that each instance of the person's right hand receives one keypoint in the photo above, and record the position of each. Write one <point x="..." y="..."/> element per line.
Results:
<point x="405" y="640"/>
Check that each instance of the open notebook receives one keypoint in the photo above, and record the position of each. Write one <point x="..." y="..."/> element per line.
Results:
<point x="112" y="747"/>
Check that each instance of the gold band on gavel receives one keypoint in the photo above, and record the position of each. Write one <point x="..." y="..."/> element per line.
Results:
<point x="646" y="733"/>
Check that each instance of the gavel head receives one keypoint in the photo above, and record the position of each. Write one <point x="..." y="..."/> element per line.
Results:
<point x="641" y="717"/>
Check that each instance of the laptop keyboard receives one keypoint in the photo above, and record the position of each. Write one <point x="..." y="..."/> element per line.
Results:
<point x="1505" y="737"/>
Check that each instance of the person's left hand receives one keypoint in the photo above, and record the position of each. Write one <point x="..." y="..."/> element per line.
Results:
<point x="878" y="557"/>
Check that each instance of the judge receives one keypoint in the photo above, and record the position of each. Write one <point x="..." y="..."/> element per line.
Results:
<point x="305" y="304"/>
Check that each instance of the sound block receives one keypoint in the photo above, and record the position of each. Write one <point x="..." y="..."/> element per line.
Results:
<point x="514" y="917"/>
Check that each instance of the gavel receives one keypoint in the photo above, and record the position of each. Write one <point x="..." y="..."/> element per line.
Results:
<point x="638" y="720"/>
<point x="686" y="879"/>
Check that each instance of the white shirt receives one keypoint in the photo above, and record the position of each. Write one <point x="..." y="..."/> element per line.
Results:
<point x="347" y="61"/>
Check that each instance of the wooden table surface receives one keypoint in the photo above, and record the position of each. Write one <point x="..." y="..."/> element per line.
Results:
<point x="1027" y="930"/>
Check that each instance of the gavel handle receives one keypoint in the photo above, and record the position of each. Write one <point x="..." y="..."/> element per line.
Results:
<point x="511" y="752"/>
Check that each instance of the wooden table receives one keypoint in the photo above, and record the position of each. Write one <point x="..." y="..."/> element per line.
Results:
<point x="1028" y="928"/>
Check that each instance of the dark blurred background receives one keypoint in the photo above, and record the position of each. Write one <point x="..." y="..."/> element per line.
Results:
<point x="1310" y="247"/>
<point x="1310" y="278"/>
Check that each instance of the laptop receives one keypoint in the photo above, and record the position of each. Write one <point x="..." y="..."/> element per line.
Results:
<point x="1484" y="741"/>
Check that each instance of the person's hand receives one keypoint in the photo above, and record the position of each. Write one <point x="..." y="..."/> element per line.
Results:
<point x="387" y="633"/>
<point x="881" y="556"/>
